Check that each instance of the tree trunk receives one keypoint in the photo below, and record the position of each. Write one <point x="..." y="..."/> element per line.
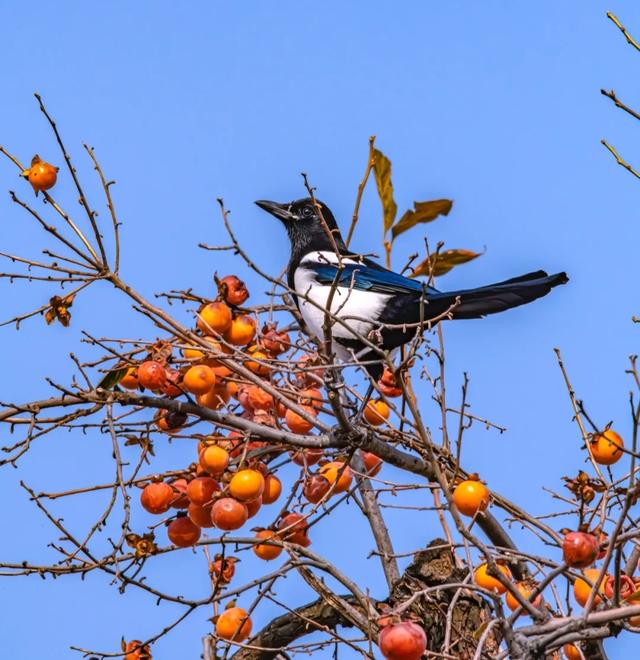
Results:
<point x="434" y="611"/>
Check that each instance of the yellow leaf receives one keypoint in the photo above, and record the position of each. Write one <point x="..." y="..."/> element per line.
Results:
<point x="441" y="263"/>
<point x="382" y="173"/>
<point x="478" y="633"/>
<point x="422" y="212"/>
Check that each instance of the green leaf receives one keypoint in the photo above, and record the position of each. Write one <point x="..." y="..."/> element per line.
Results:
<point x="382" y="173"/>
<point x="422" y="212"/>
<point x="112" y="378"/>
<point x="442" y="262"/>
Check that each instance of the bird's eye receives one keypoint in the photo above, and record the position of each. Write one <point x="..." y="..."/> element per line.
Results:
<point x="307" y="211"/>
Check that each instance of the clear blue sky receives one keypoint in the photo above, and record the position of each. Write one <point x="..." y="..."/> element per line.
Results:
<point x="494" y="104"/>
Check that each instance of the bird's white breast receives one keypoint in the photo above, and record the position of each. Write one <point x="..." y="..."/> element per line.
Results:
<point x="358" y="309"/>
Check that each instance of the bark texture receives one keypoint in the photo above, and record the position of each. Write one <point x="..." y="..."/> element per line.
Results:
<point x="431" y="567"/>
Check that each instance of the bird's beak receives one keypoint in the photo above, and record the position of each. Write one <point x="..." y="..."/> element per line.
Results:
<point x="281" y="211"/>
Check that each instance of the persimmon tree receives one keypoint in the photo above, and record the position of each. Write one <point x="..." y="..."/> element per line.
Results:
<point x="269" y="425"/>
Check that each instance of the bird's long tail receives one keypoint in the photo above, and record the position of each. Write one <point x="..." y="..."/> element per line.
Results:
<point x="475" y="303"/>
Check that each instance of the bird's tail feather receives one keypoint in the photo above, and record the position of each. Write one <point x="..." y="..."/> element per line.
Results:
<point x="475" y="303"/>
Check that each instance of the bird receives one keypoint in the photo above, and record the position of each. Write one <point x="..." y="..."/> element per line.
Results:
<point x="371" y="302"/>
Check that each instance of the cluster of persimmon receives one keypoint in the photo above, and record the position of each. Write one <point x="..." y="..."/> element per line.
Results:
<point x="229" y="334"/>
<point x="484" y="577"/>
<point x="229" y="484"/>
<point x="580" y="550"/>
<point x="232" y="479"/>
<point x="217" y="495"/>
<point x="470" y="498"/>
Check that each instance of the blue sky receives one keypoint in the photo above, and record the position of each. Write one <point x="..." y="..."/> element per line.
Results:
<point x="495" y="105"/>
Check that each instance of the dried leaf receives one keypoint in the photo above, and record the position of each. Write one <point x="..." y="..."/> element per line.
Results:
<point x="441" y="263"/>
<point x="633" y="493"/>
<point x="422" y="212"/>
<point x="382" y="173"/>
<point x="144" y="546"/>
<point x="112" y="378"/>
<point x="132" y="539"/>
<point x="142" y="441"/>
<point x="59" y="309"/>
<point x="584" y="487"/>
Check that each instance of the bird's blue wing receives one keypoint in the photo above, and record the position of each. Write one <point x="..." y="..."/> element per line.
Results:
<point x="365" y="277"/>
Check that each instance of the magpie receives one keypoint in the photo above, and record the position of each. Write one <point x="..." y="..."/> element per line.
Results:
<point x="370" y="301"/>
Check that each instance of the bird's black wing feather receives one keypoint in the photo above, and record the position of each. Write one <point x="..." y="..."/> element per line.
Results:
<point x="366" y="277"/>
<point x="475" y="303"/>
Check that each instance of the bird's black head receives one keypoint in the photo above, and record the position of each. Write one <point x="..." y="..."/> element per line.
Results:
<point x="303" y="221"/>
